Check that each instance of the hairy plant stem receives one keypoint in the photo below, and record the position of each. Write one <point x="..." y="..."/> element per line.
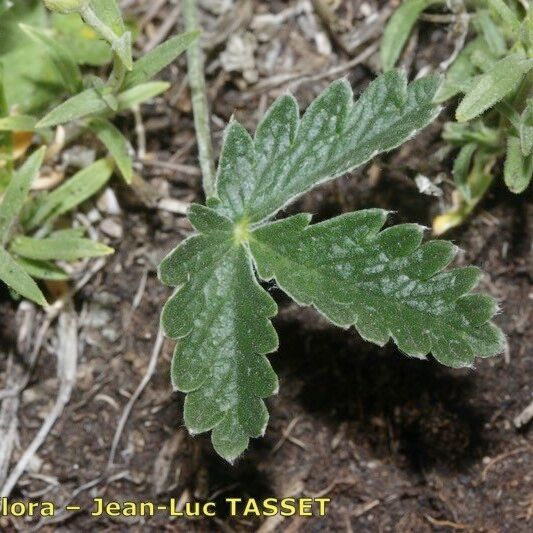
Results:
<point x="117" y="74"/>
<point x="195" y="64"/>
<point x="90" y="17"/>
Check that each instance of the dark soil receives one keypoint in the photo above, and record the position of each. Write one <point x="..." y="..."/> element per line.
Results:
<point x="397" y="444"/>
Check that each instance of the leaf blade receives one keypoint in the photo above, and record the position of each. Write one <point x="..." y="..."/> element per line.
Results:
<point x="42" y="269"/>
<point x="518" y="169"/>
<point x="18" y="190"/>
<point x="398" y="29"/>
<point x="157" y="59"/>
<point x="88" y="102"/>
<point x="385" y="283"/>
<point x="58" y="249"/>
<point x="220" y="317"/>
<point x="334" y="137"/>
<point x="73" y="192"/>
<point x="141" y="93"/>
<point x="117" y="145"/>
<point x="18" y="123"/>
<point x="493" y="86"/>
<point x="14" y="276"/>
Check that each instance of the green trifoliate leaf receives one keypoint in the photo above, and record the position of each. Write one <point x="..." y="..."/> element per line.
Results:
<point x="288" y="156"/>
<point x="16" y="277"/>
<point x="493" y="86"/>
<point x="386" y="283"/>
<point x="220" y="317"/>
<point x="399" y="29"/>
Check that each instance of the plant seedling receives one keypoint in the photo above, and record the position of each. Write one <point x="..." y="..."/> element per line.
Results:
<point x="385" y="282"/>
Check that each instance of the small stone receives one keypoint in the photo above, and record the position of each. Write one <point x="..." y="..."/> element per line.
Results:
<point x="108" y="203"/>
<point x="112" y="228"/>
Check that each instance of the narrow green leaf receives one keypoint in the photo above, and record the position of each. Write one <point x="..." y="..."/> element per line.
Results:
<point x="461" y="168"/>
<point x="86" y="103"/>
<point x="518" y="169"/>
<point x="69" y="232"/>
<point x="58" y="249"/>
<point x="155" y="61"/>
<point x="73" y="192"/>
<point x="59" y="54"/>
<point x="18" y="123"/>
<point x="493" y="86"/>
<point x="18" y="190"/>
<point x="474" y="131"/>
<point x="399" y="29"/>
<point x="141" y="93"/>
<point x="288" y="157"/>
<point x="42" y="269"/>
<point x="117" y="145"/>
<point x="15" y="277"/>
<point x="385" y="283"/>
<point x="220" y="314"/>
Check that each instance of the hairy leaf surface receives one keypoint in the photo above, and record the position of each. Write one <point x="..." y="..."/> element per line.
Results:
<point x="288" y="156"/>
<point x="492" y="87"/>
<point x="220" y="316"/>
<point x="17" y="191"/>
<point x="386" y="283"/>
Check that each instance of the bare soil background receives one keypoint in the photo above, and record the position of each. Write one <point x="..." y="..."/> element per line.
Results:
<point x="397" y="444"/>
